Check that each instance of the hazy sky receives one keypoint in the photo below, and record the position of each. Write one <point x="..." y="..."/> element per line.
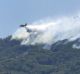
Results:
<point x="16" y="12"/>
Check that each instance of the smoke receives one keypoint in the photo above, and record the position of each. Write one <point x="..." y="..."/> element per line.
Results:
<point x="50" y="31"/>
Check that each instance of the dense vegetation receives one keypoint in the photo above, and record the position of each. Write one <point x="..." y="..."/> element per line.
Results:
<point x="21" y="59"/>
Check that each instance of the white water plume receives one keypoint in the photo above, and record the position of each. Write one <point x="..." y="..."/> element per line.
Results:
<point x="51" y="31"/>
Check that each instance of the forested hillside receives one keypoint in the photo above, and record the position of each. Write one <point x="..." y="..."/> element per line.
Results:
<point x="61" y="58"/>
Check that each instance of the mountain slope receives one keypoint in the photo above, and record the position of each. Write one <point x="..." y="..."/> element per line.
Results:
<point x="33" y="59"/>
<point x="51" y="48"/>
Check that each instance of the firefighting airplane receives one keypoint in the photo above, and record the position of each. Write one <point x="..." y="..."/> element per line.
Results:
<point x="25" y="26"/>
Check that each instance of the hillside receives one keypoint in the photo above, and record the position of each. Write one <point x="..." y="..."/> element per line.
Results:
<point x="51" y="47"/>
<point x="61" y="58"/>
